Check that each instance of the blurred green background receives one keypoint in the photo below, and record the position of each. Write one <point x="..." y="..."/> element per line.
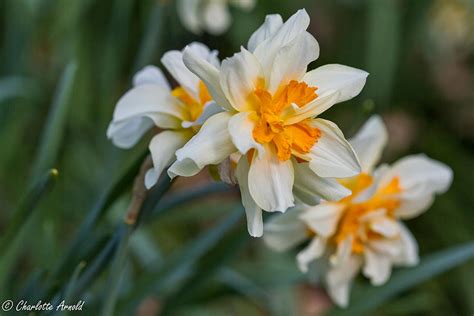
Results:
<point x="63" y="66"/>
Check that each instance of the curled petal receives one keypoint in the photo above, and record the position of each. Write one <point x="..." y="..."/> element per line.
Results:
<point x="307" y="181"/>
<point x="210" y="146"/>
<point x="369" y="143"/>
<point x="239" y="77"/>
<point x="346" y="80"/>
<point x="241" y="128"/>
<point x="151" y="75"/>
<point x="301" y="51"/>
<point x="323" y="218"/>
<point x="332" y="155"/>
<point x="162" y="148"/>
<point x="272" y="23"/>
<point x="377" y="267"/>
<point x="252" y="210"/>
<point x="269" y="48"/>
<point x="209" y="74"/>
<point x="271" y="181"/>
<point x="314" y="250"/>
<point x="339" y="280"/>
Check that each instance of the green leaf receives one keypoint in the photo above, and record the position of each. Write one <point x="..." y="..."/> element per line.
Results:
<point x="12" y="237"/>
<point x="368" y="299"/>
<point x="15" y="86"/>
<point x="54" y="129"/>
<point x="117" y="186"/>
<point x="384" y="20"/>
<point x="27" y="207"/>
<point x="179" y="266"/>
<point x="72" y="282"/>
<point x="152" y="38"/>
<point x="116" y="273"/>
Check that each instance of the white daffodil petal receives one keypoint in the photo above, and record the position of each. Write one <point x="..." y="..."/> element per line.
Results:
<point x="313" y="251"/>
<point x="343" y="252"/>
<point x="269" y="48"/>
<point x="151" y="177"/>
<point x="305" y="197"/>
<point x="252" y="210"/>
<point x="216" y="17"/>
<point x="284" y="231"/>
<point x="210" y="109"/>
<point x="391" y="248"/>
<point x="369" y="143"/>
<point x="188" y="12"/>
<point x="346" y="80"/>
<point x="332" y="155"/>
<point x="377" y="267"/>
<point x="211" y="145"/>
<point x="151" y="75"/>
<point x="272" y="23"/>
<point x="162" y="149"/>
<point x="339" y="280"/>
<point x="420" y="171"/>
<point x="125" y="134"/>
<point x="409" y="253"/>
<point x="413" y="207"/>
<point x="241" y="131"/>
<point x="323" y="102"/>
<point x="244" y="4"/>
<point x="173" y="61"/>
<point x="385" y="226"/>
<point x="323" y="218"/>
<point x="301" y="51"/>
<point x="209" y="74"/>
<point x="369" y="192"/>
<point x="148" y="100"/>
<point x="271" y="181"/>
<point x="239" y="77"/>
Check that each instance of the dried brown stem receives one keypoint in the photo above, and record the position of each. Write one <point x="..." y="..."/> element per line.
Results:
<point x="139" y="193"/>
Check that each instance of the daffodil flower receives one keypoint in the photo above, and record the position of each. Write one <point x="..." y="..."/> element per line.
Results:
<point x="363" y="230"/>
<point x="212" y="16"/>
<point x="178" y="112"/>
<point x="271" y="105"/>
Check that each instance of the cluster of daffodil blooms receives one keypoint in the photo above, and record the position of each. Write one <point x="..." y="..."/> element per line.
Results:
<point x="255" y="116"/>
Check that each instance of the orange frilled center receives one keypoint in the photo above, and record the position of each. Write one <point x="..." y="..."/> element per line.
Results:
<point x="352" y="223"/>
<point x="271" y="128"/>
<point x="194" y="107"/>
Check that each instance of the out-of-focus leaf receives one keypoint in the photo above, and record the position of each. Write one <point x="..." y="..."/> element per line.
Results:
<point x="178" y="266"/>
<point x="120" y="183"/>
<point x="53" y="131"/>
<point x="116" y="271"/>
<point x="227" y="248"/>
<point x="27" y="207"/>
<point x="366" y="300"/>
<point x="14" y="87"/>
<point x="72" y="282"/>
<point x="10" y="243"/>
<point x="384" y="35"/>
<point x="151" y="39"/>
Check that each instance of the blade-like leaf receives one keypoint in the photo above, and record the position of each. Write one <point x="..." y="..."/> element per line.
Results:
<point x="366" y="300"/>
<point x="178" y="266"/>
<point x="11" y="241"/>
<point x="53" y="130"/>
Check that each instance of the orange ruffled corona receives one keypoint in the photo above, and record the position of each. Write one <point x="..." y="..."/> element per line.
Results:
<point x="351" y="220"/>
<point x="271" y="128"/>
<point x="194" y="107"/>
